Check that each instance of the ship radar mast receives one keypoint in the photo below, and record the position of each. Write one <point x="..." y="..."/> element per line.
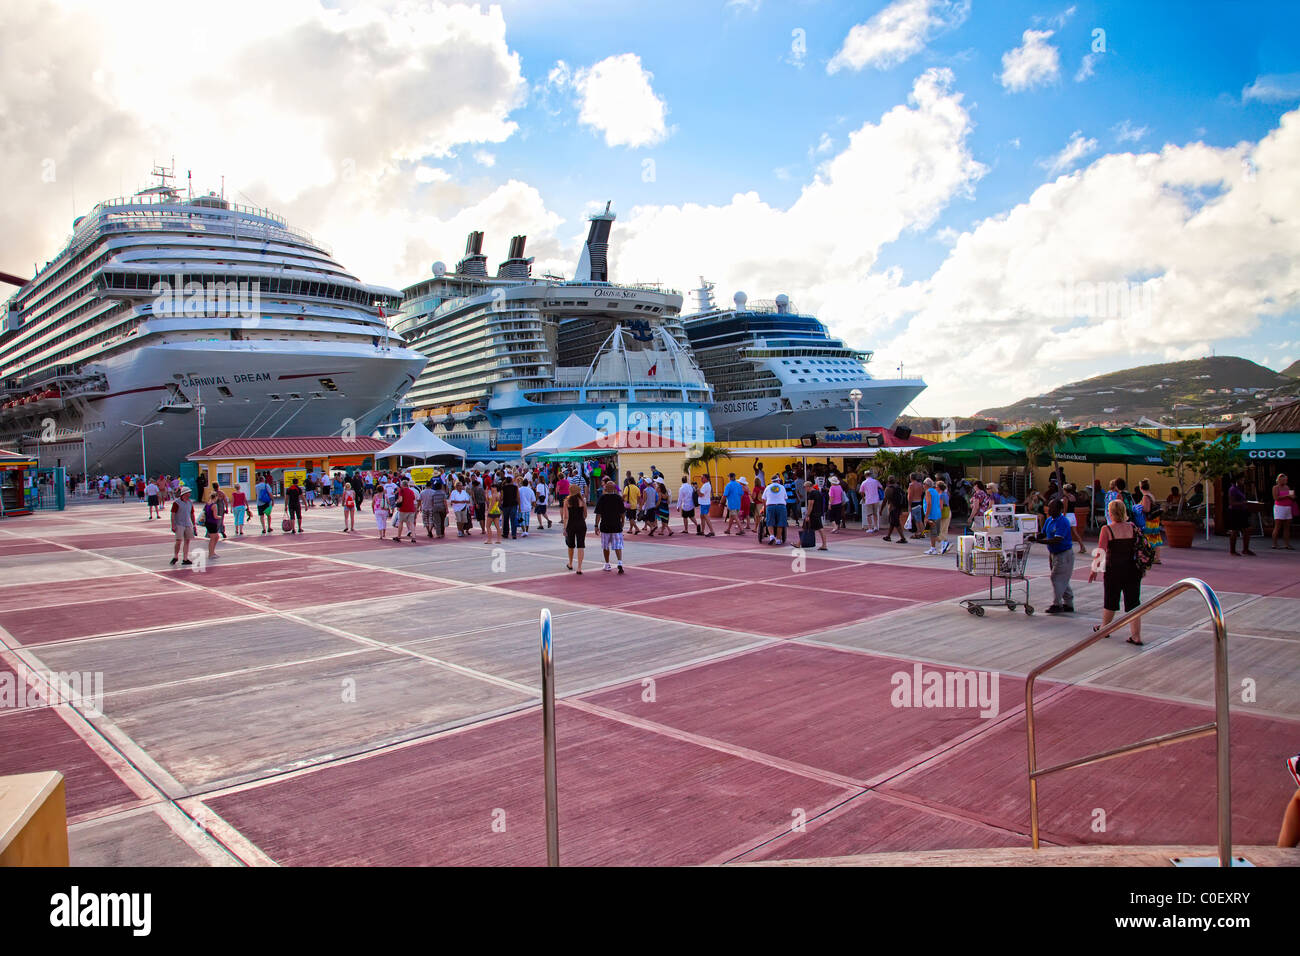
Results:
<point x="704" y="296"/>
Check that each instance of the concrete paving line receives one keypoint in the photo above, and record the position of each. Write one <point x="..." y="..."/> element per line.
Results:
<point x="339" y="632"/>
<point x="259" y="668"/>
<point x="681" y="667"/>
<point x="852" y="800"/>
<point x="5" y="636"/>
<point x="461" y="727"/>
<point x="211" y="852"/>
<point x="1180" y="632"/>
<point x="820" y="812"/>
<point x="713" y="743"/>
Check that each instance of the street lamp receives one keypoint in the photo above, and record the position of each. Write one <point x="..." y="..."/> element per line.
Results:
<point x="855" y="396"/>
<point x="144" y="468"/>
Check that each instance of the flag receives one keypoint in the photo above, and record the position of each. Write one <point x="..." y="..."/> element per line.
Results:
<point x="652" y="368"/>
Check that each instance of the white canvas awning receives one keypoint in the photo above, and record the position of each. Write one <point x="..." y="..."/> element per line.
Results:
<point x="421" y="443"/>
<point x="573" y="431"/>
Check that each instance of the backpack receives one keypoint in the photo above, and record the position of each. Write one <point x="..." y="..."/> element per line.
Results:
<point x="1143" y="554"/>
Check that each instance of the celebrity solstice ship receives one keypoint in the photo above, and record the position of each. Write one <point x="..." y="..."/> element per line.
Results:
<point x="511" y="357"/>
<point x="207" y="316"/>
<point x="771" y="366"/>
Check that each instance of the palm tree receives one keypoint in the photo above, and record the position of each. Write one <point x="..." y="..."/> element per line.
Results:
<point x="899" y="464"/>
<point x="1043" y="439"/>
<point x="708" y="455"/>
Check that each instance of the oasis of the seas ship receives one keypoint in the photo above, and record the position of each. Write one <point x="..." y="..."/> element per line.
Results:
<point x="212" y="318"/>
<point x="512" y="356"/>
<point x="778" y="373"/>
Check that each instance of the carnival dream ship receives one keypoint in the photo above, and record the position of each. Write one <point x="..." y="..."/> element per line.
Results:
<point x="213" y="318"/>
<point x="512" y="356"/>
<point x="771" y="367"/>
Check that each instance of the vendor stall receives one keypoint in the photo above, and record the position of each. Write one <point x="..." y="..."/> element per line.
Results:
<point x="17" y="484"/>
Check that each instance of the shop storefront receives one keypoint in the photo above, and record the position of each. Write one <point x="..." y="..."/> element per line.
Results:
<point x="18" y="489"/>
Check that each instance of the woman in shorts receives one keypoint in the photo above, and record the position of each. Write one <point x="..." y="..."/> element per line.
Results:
<point x="348" y="497"/>
<point x="1283" y="511"/>
<point x="212" y="519"/>
<point x="573" y="516"/>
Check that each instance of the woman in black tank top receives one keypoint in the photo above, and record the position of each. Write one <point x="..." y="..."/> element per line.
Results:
<point x="1121" y="577"/>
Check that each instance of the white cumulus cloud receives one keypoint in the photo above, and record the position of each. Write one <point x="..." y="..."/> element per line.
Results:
<point x="1273" y="88"/>
<point x="322" y="113"/>
<point x="1077" y="148"/>
<point x="1137" y="254"/>
<point x="896" y="33"/>
<point x="615" y="97"/>
<point x="1034" y="63"/>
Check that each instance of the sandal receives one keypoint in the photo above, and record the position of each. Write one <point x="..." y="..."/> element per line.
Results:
<point x="1129" y="640"/>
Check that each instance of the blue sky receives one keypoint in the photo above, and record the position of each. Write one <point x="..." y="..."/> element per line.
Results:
<point x="925" y="175"/>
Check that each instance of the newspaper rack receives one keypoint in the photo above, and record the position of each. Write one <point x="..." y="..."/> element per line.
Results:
<point x="1005" y="566"/>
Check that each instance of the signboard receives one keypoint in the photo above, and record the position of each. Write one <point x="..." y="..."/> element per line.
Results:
<point x="420" y="474"/>
<point x="291" y="473"/>
<point x="862" y="439"/>
<point x="507" y="439"/>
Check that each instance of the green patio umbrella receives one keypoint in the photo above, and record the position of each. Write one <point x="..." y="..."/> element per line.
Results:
<point x="1154" y="447"/>
<point x="980" y="447"/>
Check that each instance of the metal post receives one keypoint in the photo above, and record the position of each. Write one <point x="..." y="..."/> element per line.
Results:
<point x="548" y="744"/>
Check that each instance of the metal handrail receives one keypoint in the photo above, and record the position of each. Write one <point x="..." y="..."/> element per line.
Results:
<point x="548" y="743"/>
<point x="1219" y="727"/>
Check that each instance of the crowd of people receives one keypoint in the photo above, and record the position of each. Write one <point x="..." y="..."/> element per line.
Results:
<point x="815" y="501"/>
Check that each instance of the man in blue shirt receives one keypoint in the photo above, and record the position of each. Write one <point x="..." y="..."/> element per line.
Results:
<point x="1060" y="557"/>
<point x="733" y="492"/>
<point x="792" y="498"/>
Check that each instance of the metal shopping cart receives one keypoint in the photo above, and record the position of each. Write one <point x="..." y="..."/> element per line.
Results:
<point x="1006" y="566"/>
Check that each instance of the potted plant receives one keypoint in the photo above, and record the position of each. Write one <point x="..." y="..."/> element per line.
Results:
<point x="1220" y="459"/>
<point x="1181" y="460"/>
<point x="1194" y="459"/>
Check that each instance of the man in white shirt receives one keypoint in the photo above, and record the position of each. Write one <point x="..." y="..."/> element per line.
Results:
<point x="706" y="502"/>
<point x="527" y="498"/>
<point x="775" y="500"/>
<point x="686" y="504"/>
<point x="543" y="499"/>
<point x="151" y="495"/>
<point x="462" y="506"/>
<point x="870" y="491"/>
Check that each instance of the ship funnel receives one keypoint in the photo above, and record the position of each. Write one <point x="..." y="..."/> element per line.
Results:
<point x="594" y="264"/>
<point x="516" y="266"/>
<point x="474" y="263"/>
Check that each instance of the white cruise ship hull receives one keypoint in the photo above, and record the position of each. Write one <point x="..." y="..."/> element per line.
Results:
<point x="810" y="410"/>
<point x="274" y="389"/>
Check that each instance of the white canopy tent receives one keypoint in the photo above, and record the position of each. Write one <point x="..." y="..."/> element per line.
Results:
<point x="421" y="443"/>
<point x="571" y="433"/>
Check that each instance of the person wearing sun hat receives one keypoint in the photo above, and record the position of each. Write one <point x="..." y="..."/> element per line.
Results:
<point x="183" y="523"/>
<point x="835" y="496"/>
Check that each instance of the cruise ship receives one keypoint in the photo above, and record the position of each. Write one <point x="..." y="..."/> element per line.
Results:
<point x="215" y="319"/>
<point x="511" y="356"/>
<point x="778" y="373"/>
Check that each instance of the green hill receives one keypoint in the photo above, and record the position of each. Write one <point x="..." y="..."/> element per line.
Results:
<point x="1292" y="370"/>
<point x="1220" y="388"/>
